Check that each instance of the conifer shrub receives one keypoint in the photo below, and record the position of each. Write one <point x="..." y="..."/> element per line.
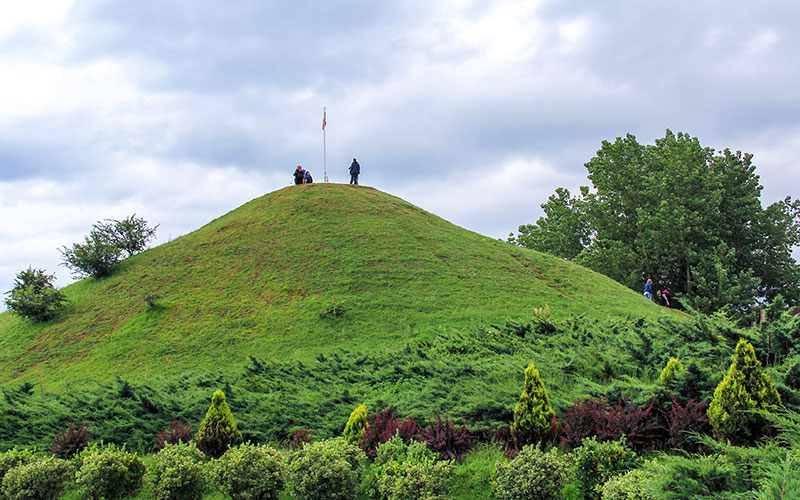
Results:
<point x="792" y="377"/>
<point x="177" y="473"/>
<point x="249" y="472"/>
<point x="408" y="471"/>
<point x="109" y="473"/>
<point x="10" y="459"/>
<point x="356" y="425"/>
<point x="383" y="426"/>
<point x="444" y="438"/>
<point x="70" y="442"/>
<point x="669" y="373"/>
<point x="218" y="430"/>
<point x="178" y="432"/>
<point x="325" y="470"/>
<point x="597" y="462"/>
<point x="42" y="479"/>
<point x="738" y="400"/>
<point x="631" y="485"/>
<point x="689" y="478"/>
<point x="533" y="415"/>
<point x="532" y="475"/>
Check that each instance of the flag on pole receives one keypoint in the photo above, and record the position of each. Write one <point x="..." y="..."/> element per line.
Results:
<point x="324" y="121"/>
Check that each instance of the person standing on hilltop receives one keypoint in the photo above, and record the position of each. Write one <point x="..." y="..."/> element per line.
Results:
<point x="648" y="289"/>
<point x="355" y="169"/>
<point x="299" y="175"/>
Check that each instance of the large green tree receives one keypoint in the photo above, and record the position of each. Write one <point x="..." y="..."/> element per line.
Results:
<point x="687" y="216"/>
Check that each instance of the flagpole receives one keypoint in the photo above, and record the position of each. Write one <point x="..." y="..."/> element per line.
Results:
<point x="324" y="145"/>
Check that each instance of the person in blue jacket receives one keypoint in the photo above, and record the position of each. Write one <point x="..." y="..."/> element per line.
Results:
<point x="648" y="289"/>
<point x="355" y="169"/>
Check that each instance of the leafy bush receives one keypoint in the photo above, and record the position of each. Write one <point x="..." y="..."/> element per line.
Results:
<point x="383" y="426"/>
<point x="596" y="463"/>
<point x="177" y="473"/>
<point x="42" y="479"/>
<point x="356" y="425"/>
<point x="97" y="256"/>
<point x="325" y="470"/>
<point x="673" y="368"/>
<point x="533" y="474"/>
<point x="300" y="438"/>
<point x="71" y="441"/>
<point x="792" y="377"/>
<point x="178" y="432"/>
<point x="533" y="415"/>
<point x="684" y="478"/>
<point x="780" y="480"/>
<point x="594" y="417"/>
<point x="408" y="471"/>
<point x="130" y="235"/>
<point x="681" y="420"/>
<point x="10" y="459"/>
<point x="443" y="437"/>
<point x="34" y="296"/>
<point x="738" y="400"/>
<point x="109" y="473"/>
<point x="249" y="472"/>
<point x="631" y="485"/>
<point x="218" y="430"/>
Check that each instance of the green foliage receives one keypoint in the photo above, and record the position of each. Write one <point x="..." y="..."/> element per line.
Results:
<point x="781" y="480"/>
<point x="356" y="425"/>
<point x="596" y="463"/>
<point x="42" y="479"/>
<point x="249" y="472"/>
<point x="744" y="392"/>
<point x="533" y="414"/>
<point x="218" y="430"/>
<point x="130" y="235"/>
<point x="631" y="485"/>
<point x="34" y="297"/>
<point x="177" y="473"/>
<point x="335" y="309"/>
<point x="109" y="473"/>
<point x="408" y="472"/>
<point x="97" y="256"/>
<point x="689" y="478"/>
<point x="325" y="470"/>
<point x="668" y="374"/>
<point x="10" y="459"/>
<point x="531" y="475"/>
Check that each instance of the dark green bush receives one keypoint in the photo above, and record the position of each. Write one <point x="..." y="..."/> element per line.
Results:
<point x="326" y="470"/>
<point x="177" y="473"/>
<point x="97" y="256"/>
<point x="249" y="472"/>
<point x="34" y="297"/>
<point x="596" y="463"/>
<point x="689" y="478"/>
<point x="109" y="473"/>
<point x="531" y="475"/>
<point x="42" y="479"/>
<point x="218" y="430"/>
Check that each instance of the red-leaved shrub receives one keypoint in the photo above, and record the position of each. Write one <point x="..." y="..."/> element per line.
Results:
<point x="383" y="425"/>
<point x="301" y="437"/>
<point x="586" y="417"/>
<point x="680" y="420"/>
<point x="71" y="441"/>
<point x="607" y="422"/>
<point x="178" y="432"/>
<point x="443" y="437"/>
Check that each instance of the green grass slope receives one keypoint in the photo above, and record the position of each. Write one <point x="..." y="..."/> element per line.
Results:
<point x="257" y="280"/>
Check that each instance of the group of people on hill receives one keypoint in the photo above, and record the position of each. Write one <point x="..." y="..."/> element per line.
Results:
<point x="664" y="295"/>
<point x="303" y="176"/>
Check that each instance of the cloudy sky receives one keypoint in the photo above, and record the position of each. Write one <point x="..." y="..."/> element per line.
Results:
<point x="182" y="110"/>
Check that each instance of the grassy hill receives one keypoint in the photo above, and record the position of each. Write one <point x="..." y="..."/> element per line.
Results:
<point x="258" y="280"/>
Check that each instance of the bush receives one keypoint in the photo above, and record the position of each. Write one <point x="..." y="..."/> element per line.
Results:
<point x="97" y="256"/>
<point x="218" y="430"/>
<point x="300" y="438"/>
<point x="356" y="425"/>
<point x="325" y="470"/>
<point x="177" y="473"/>
<point x="443" y="437"/>
<point x="596" y="463"/>
<point x="71" y="441"/>
<point x="533" y="474"/>
<point x="130" y="235"/>
<point x="681" y="421"/>
<point x="10" y="459"/>
<point x="682" y="478"/>
<point x="34" y="297"/>
<point x="42" y="479"/>
<point x="533" y="415"/>
<point x="738" y="400"/>
<point x="178" y="432"/>
<point x="109" y="473"/>
<point x="631" y="485"/>
<point x="249" y="472"/>
<point x="673" y="368"/>
<point x="408" y="471"/>
<point x="383" y="426"/>
<point x="590" y="417"/>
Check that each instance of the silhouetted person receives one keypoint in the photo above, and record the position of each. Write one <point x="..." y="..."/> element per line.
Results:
<point x="355" y="169"/>
<point x="308" y="179"/>
<point x="299" y="175"/>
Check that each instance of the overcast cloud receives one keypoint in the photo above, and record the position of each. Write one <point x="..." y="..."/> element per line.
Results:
<point x="180" y="111"/>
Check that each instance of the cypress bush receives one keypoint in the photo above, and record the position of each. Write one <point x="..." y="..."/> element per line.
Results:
<point x="249" y="472"/>
<point x="673" y="368"/>
<point x="218" y="430"/>
<point x="356" y="425"/>
<point x="738" y="400"/>
<point x="109" y="473"/>
<point x="533" y="415"/>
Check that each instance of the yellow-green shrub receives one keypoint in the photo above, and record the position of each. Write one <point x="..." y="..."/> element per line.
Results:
<point x="218" y="430"/>
<point x="533" y="414"/>
<point x="356" y="425"/>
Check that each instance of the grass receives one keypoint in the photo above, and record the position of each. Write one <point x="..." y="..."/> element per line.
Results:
<point x="258" y="281"/>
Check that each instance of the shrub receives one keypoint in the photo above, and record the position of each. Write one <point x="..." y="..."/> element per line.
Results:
<point x="325" y="470"/>
<point x="42" y="479"/>
<point x="218" y="430"/>
<point x="443" y="437"/>
<point x="109" y="473"/>
<point x="533" y="474"/>
<point x="335" y="309"/>
<point x="673" y="368"/>
<point x="130" y="235"/>
<point x="683" y="478"/>
<point x="585" y="418"/>
<point x="534" y="414"/>
<point x="97" y="256"/>
<point x="590" y="417"/>
<point x="383" y="426"/>
<point x="596" y="463"/>
<point x="249" y="472"/>
<point x="738" y="400"/>
<point x="792" y="378"/>
<point x="408" y="471"/>
<point x="71" y="441"/>
<point x="682" y="420"/>
<point x="177" y="473"/>
<point x="780" y="480"/>
<point x="631" y="485"/>
<point x="34" y="297"/>
<point x="356" y="425"/>
<point x="10" y="459"/>
<point x="178" y="432"/>
<point x="300" y="438"/>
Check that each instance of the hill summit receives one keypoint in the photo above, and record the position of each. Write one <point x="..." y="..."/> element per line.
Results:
<point x="298" y="271"/>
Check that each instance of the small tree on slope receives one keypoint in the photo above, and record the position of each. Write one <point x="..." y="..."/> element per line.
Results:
<point x="738" y="400"/>
<point x="534" y="413"/>
<point x="218" y="430"/>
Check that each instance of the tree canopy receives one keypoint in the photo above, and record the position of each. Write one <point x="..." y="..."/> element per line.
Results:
<point x="687" y="216"/>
